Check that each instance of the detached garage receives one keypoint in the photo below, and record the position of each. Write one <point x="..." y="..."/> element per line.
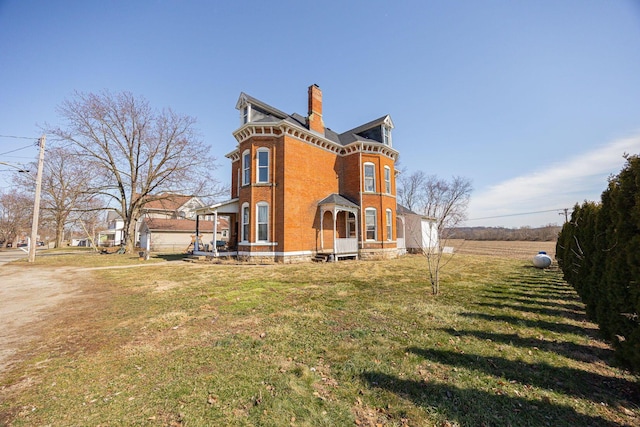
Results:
<point x="172" y="235"/>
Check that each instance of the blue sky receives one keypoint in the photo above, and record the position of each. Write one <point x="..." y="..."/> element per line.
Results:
<point x="534" y="101"/>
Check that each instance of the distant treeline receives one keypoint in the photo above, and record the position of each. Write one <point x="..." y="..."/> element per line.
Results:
<point x="599" y="253"/>
<point x="548" y="233"/>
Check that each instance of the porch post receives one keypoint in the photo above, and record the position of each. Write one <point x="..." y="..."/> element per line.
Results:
<point x="322" y="229"/>
<point x="195" y="244"/>
<point x="215" y="233"/>
<point x="335" y="247"/>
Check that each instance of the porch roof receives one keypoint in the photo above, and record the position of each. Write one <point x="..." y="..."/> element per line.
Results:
<point x="338" y="200"/>
<point x="226" y="207"/>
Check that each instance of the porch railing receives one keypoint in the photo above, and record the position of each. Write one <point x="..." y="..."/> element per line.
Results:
<point x="347" y="245"/>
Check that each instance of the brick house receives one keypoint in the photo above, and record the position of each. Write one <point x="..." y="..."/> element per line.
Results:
<point x="300" y="190"/>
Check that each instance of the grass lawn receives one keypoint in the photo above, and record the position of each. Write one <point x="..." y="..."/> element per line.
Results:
<point x="359" y="343"/>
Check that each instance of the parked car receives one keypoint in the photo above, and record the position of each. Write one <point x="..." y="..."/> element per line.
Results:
<point x="22" y="244"/>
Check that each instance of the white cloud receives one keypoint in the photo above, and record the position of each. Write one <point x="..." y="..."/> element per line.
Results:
<point x="559" y="186"/>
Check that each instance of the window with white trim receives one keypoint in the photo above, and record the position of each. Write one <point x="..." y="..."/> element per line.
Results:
<point x="387" y="179"/>
<point x="263" y="165"/>
<point x="386" y="135"/>
<point x="389" y="226"/>
<point x="369" y="177"/>
<point x="245" y="114"/>
<point x="246" y="167"/>
<point x="370" y="224"/>
<point x="245" y="223"/>
<point x="262" y="224"/>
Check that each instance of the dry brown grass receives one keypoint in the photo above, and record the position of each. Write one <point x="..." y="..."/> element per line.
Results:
<point x="503" y="249"/>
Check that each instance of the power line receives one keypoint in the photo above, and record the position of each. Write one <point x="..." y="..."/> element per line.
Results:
<point x="19" y="137"/>
<point x="517" y="214"/>
<point x="17" y="149"/>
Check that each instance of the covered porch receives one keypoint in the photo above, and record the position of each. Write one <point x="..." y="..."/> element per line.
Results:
<point x="338" y="228"/>
<point x="217" y="247"/>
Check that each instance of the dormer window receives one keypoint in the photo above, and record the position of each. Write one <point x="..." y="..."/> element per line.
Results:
<point x="251" y="113"/>
<point x="245" y="114"/>
<point x="386" y="135"/>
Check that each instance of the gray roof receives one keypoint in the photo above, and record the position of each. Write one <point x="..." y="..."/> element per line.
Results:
<point x="337" y="199"/>
<point x="274" y="115"/>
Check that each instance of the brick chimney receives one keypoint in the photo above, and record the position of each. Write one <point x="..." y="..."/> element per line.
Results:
<point x="315" y="110"/>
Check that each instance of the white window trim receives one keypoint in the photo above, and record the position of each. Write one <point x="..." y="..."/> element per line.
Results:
<point x="258" y="167"/>
<point x="387" y="180"/>
<point x="389" y="224"/>
<point x="244" y="238"/>
<point x="364" y="175"/>
<point x="266" y="222"/>
<point x="246" y="166"/>
<point x="245" y="114"/>
<point x="375" y="224"/>
<point x="386" y="135"/>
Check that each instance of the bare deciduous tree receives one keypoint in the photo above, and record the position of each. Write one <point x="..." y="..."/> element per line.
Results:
<point x="444" y="201"/>
<point x="133" y="152"/>
<point x="65" y="190"/>
<point x="15" y="215"/>
<point x="411" y="189"/>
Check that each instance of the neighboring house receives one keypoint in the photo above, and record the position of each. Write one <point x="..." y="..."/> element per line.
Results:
<point x="167" y="223"/>
<point x="173" y="235"/>
<point x="114" y="234"/>
<point x="420" y="232"/>
<point x="300" y="189"/>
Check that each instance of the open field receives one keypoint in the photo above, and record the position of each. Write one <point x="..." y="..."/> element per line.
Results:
<point x="330" y="344"/>
<point x="504" y="249"/>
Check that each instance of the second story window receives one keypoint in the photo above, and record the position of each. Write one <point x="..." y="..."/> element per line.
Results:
<point x="369" y="177"/>
<point x="246" y="167"/>
<point x="387" y="179"/>
<point x="263" y="165"/>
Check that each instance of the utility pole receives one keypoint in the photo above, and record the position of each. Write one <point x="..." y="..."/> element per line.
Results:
<point x="36" y="203"/>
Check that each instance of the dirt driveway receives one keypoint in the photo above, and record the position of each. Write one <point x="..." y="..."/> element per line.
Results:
<point x="28" y="295"/>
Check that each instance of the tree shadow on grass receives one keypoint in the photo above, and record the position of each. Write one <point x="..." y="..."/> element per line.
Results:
<point x="561" y="328"/>
<point x="575" y="382"/>
<point x="545" y="302"/>
<point x="535" y="294"/>
<point x="472" y="407"/>
<point x="581" y="353"/>
<point x="529" y="308"/>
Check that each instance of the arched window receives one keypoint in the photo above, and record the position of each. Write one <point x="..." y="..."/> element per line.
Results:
<point x="387" y="179"/>
<point x="263" y="165"/>
<point x="369" y="177"/>
<point x="246" y="167"/>
<point x="244" y="232"/>
<point x="262" y="224"/>
<point x="371" y="224"/>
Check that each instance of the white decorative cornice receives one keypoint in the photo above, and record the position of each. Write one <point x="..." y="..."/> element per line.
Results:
<point x="281" y="128"/>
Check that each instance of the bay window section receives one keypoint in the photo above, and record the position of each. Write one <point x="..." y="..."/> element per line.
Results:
<point x="387" y="179"/>
<point x="369" y="178"/>
<point x="263" y="165"/>
<point x="262" y="225"/>
<point x="245" y="223"/>
<point x="246" y="167"/>
<point x="370" y="223"/>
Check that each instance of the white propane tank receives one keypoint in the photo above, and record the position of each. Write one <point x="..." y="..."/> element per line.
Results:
<point x="542" y="260"/>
